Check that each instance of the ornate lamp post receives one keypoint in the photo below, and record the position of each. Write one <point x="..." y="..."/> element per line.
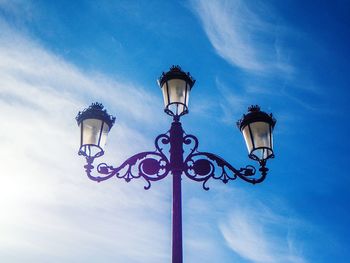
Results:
<point x="184" y="157"/>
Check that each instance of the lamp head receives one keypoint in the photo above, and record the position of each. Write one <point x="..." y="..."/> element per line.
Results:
<point x="257" y="127"/>
<point x="176" y="86"/>
<point x="94" y="123"/>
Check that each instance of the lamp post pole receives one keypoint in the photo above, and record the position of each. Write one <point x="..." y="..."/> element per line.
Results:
<point x="176" y="168"/>
<point x="256" y="127"/>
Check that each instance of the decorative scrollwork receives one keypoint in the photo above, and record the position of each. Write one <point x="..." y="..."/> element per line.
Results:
<point x="152" y="166"/>
<point x="201" y="166"/>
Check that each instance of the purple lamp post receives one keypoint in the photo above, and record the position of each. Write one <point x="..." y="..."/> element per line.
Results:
<point x="184" y="158"/>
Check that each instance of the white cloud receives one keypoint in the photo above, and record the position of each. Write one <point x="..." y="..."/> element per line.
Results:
<point x="242" y="36"/>
<point x="231" y="103"/>
<point x="49" y="208"/>
<point x="240" y="227"/>
<point x="251" y="36"/>
<point x="262" y="236"/>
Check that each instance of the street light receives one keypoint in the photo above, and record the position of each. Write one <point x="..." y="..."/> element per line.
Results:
<point x="176" y="86"/>
<point x="94" y="123"/>
<point x="256" y="127"/>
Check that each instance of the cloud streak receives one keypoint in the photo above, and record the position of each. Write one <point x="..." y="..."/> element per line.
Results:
<point x="261" y="236"/>
<point x="241" y="35"/>
<point x="251" y="37"/>
<point x="49" y="208"/>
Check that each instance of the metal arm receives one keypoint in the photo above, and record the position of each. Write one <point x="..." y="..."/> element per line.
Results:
<point x="152" y="165"/>
<point x="201" y="166"/>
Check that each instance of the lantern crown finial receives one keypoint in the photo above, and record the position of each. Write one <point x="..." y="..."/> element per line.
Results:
<point x="254" y="108"/>
<point x="96" y="111"/>
<point x="255" y="114"/>
<point x="175" y="68"/>
<point x="97" y="106"/>
<point x="176" y="72"/>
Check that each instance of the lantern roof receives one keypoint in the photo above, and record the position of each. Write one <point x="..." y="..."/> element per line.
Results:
<point x="176" y="72"/>
<point x="254" y="115"/>
<point x="96" y="111"/>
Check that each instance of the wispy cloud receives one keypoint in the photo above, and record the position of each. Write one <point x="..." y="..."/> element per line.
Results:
<point x="261" y="235"/>
<point x="49" y="208"/>
<point x="240" y="35"/>
<point x="253" y="38"/>
<point x="264" y="231"/>
<point x="232" y="103"/>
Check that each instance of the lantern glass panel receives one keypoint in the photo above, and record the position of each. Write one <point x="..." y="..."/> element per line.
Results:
<point x="92" y="132"/>
<point x="177" y="89"/>
<point x="104" y="135"/>
<point x="165" y="94"/>
<point x="187" y="94"/>
<point x="262" y="139"/>
<point x="176" y="96"/>
<point x="247" y="138"/>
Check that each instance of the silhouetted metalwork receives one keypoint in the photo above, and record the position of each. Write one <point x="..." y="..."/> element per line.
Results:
<point x="154" y="165"/>
<point x="151" y="166"/>
<point x="184" y="156"/>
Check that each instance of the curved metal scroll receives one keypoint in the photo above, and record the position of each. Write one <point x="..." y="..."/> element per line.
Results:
<point x="152" y="166"/>
<point x="201" y="166"/>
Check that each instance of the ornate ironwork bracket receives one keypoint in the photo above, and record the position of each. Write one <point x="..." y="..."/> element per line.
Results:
<point x="152" y="165"/>
<point x="201" y="166"/>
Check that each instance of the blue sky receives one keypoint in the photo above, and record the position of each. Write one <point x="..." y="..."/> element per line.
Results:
<point x="290" y="57"/>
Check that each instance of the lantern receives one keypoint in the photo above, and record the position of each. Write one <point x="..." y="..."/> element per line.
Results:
<point x="94" y="123"/>
<point x="257" y="127"/>
<point x="176" y="86"/>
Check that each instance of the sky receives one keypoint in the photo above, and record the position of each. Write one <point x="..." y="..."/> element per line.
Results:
<point x="289" y="57"/>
